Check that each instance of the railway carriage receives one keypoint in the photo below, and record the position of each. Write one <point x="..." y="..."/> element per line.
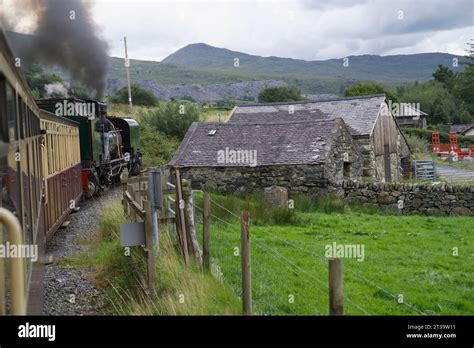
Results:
<point x="39" y="184"/>
<point x="48" y="161"/>
<point x="61" y="169"/>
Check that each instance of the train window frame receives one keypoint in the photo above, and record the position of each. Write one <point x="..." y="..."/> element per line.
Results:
<point x="11" y="115"/>
<point x="3" y="111"/>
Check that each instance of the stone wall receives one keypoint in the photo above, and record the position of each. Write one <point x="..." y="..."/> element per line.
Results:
<point x="231" y="180"/>
<point x="410" y="198"/>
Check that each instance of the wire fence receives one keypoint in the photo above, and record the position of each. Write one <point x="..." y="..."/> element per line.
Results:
<point x="283" y="282"/>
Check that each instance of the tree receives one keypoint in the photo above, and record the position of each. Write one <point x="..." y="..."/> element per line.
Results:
<point x="370" y="88"/>
<point x="464" y="88"/>
<point x="80" y="92"/>
<point x="140" y="96"/>
<point x="444" y="76"/>
<point x="280" y="94"/>
<point x="172" y="118"/>
<point x="436" y="100"/>
<point x="37" y="79"/>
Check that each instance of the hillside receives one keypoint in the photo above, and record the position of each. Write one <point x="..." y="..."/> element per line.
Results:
<point x="365" y="67"/>
<point x="204" y="72"/>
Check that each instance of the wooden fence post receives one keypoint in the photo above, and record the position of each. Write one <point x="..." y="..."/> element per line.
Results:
<point x="191" y="235"/>
<point x="245" y="255"/>
<point x="206" y="259"/>
<point x="150" y="254"/>
<point x="180" y="218"/>
<point x="336" y="294"/>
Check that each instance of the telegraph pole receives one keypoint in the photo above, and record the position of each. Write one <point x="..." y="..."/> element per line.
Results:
<point x="127" y="67"/>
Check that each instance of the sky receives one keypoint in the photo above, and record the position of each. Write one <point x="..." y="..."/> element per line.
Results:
<point x="300" y="29"/>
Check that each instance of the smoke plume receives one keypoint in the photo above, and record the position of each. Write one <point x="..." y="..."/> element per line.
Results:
<point x="57" y="90"/>
<point x="66" y="36"/>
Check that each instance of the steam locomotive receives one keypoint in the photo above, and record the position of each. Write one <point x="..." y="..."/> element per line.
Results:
<point x="108" y="144"/>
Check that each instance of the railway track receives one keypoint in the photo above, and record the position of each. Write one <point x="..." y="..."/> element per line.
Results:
<point x="68" y="291"/>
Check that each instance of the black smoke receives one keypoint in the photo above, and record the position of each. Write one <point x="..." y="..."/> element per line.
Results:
<point x="67" y="37"/>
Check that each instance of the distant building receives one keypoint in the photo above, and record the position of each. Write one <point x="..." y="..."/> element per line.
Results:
<point x="303" y="146"/>
<point x="369" y="119"/>
<point x="300" y="156"/>
<point x="409" y="115"/>
<point x="463" y="129"/>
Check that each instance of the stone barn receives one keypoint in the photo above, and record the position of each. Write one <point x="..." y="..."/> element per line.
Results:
<point x="238" y="157"/>
<point x="369" y="119"/>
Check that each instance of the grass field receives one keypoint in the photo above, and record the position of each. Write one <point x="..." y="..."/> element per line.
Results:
<point x="411" y="256"/>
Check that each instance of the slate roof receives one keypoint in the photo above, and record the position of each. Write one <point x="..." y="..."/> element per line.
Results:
<point x="461" y="128"/>
<point x="359" y="113"/>
<point x="275" y="143"/>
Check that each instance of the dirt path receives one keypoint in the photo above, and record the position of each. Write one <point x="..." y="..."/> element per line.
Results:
<point x="67" y="291"/>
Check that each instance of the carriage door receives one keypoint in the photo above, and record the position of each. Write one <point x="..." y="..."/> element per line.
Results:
<point x="386" y="163"/>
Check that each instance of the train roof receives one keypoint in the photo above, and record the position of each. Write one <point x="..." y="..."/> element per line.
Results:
<point x="46" y="115"/>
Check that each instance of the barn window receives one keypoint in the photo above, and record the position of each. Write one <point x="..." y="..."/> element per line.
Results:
<point x="347" y="170"/>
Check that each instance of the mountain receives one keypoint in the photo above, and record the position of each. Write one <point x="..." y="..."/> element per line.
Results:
<point x="203" y="72"/>
<point x="365" y="67"/>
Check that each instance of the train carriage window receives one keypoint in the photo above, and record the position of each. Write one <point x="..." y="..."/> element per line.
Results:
<point x="23" y="121"/>
<point x="11" y="113"/>
<point x="3" y="110"/>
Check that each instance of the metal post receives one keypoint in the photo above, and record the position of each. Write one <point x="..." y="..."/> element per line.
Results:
<point x="18" y="290"/>
<point x="155" y="198"/>
<point x="150" y="255"/>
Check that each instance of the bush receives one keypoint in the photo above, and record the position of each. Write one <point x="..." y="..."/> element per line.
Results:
<point x="172" y="118"/>
<point x="418" y="145"/>
<point x="156" y="148"/>
<point x="140" y="96"/>
<point x="369" y="88"/>
<point x="280" y="94"/>
<point x="425" y="134"/>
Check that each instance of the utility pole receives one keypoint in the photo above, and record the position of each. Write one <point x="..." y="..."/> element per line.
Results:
<point x="127" y="67"/>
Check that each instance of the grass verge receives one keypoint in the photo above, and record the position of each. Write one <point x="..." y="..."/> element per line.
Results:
<point x="179" y="290"/>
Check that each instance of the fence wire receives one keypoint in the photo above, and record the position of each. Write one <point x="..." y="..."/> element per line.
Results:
<point x="269" y="283"/>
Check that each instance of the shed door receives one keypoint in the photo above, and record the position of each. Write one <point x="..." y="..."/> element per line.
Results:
<point x="386" y="164"/>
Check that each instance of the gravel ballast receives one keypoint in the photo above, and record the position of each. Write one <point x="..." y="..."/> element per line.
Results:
<point x="67" y="291"/>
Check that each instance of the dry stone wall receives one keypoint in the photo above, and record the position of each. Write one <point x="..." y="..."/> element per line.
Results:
<point x="429" y="199"/>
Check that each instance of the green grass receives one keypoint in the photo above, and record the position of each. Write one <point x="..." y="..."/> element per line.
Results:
<point x="179" y="290"/>
<point x="407" y="255"/>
